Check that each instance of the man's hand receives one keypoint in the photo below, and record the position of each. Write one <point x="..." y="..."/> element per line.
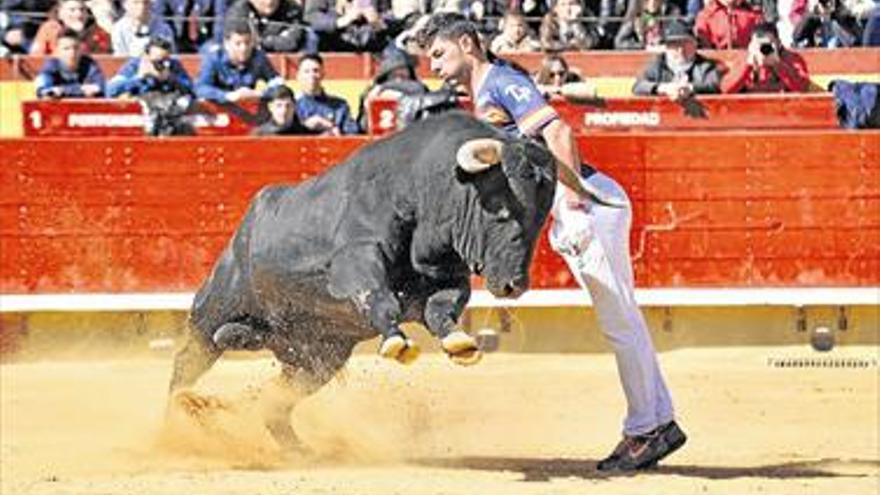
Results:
<point x="146" y="69"/>
<point x="55" y="92"/>
<point x="91" y="90"/>
<point x="350" y="16"/>
<point x="319" y="123"/>
<point x="675" y="91"/>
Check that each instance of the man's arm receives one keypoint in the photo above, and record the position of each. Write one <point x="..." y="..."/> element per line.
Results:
<point x="792" y="72"/>
<point x="561" y="143"/>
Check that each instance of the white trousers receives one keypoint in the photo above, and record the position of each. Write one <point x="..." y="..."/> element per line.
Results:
<point x="594" y="241"/>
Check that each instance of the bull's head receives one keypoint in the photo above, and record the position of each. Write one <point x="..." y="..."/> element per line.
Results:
<point x="514" y="183"/>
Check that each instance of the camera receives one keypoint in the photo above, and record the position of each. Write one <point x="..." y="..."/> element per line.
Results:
<point x="162" y="65"/>
<point x="767" y="48"/>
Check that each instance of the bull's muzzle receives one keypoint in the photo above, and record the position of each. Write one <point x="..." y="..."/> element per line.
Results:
<point x="478" y="155"/>
<point x="509" y="290"/>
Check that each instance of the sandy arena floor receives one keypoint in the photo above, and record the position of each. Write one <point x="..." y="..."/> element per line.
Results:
<point x="515" y="424"/>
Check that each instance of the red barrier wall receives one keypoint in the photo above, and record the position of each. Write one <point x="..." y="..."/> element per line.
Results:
<point x="794" y="208"/>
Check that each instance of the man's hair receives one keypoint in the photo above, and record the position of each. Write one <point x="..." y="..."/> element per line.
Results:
<point x="314" y="57"/>
<point x="280" y="92"/>
<point x="764" y="30"/>
<point x="159" y="42"/>
<point x="70" y="33"/>
<point x="237" y="26"/>
<point x="448" y="26"/>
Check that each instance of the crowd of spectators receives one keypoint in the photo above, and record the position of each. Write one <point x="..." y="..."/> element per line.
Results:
<point x="234" y="38"/>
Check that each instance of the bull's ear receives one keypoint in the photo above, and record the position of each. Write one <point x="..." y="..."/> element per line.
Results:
<point x="478" y="155"/>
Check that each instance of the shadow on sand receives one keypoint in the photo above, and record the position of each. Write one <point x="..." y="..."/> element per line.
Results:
<point x="534" y="469"/>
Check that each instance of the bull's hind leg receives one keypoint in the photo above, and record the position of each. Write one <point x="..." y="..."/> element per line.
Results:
<point x="305" y="369"/>
<point x="192" y="361"/>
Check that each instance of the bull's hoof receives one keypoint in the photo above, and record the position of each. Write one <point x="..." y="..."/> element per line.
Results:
<point x="399" y="348"/>
<point x="238" y="336"/>
<point x="461" y="348"/>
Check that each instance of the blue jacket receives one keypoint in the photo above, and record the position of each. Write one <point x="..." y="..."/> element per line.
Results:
<point x="217" y="75"/>
<point x="857" y="104"/>
<point x="55" y="74"/>
<point x="127" y="80"/>
<point x="329" y="107"/>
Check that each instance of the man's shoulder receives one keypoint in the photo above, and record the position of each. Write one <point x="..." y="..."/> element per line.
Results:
<point x="333" y="101"/>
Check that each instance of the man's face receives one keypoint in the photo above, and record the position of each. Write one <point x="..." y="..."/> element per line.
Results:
<point x="515" y="28"/>
<point x="68" y="52"/>
<point x="680" y="51"/>
<point x="448" y="60"/>
<point x="265" y="7"/>
<point x="309" y="75"/>
<point x="158" y="54"/>
<point x="281" y="110"/>
<point x="72" y="14"/>
<point x="239" y="47"/>
<point x="568" y="10"/>
<point x="138" y="9"/>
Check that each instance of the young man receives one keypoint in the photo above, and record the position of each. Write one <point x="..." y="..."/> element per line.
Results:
<point x="593" y="237"/>
<point x="231" y="73"/>
<point x="317" y="110"/>
<point x="282" y="121"/>
<point x="156" y="70"/>
<point x="69" y="73"/>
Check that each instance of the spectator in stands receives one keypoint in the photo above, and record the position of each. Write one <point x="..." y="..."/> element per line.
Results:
<point x="195" y="22"/>
<point x="133" y="31"/>
<point x="768" y="67"/>
<point x="680" y="71"/>
<point x="554" y="74"/>
<point x="316" y="109"/>
<point x="282" y="119"/>
<point x="69" y="73"/>
<point x="727" y="24"/>
<point x="610" y="13"/>
<point x="515" y="36"/>
<point x="350" y="25"/>
<point x="395" y="77"/>
<point x="18" y="25"/>
<point x="154" y="71"/>
<point x="73" y="15"/>
<point x="563" y="30"/>
<point x="829" y="25"/>
<point x="105" y="12"/>
<point x="278" y="24"/>
<point x="643" y="26"/>
<point x="871" y="35"/>
<point x="230" y="72"/>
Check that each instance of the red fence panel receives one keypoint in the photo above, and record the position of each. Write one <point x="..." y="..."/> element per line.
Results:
<point x="738" y="209"/>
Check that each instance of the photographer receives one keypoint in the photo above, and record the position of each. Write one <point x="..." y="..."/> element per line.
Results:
<point x="828" y="24"/>
<point x="155" y="70"/>
<point x="768" y="67"/>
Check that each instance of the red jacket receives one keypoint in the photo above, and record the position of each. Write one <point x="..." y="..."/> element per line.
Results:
<point x="94" y="39"/>
<point x="789" y="76"/>
<point x="721" y="27"/>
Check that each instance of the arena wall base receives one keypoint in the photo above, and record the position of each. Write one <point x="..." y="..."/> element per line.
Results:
<point x="150" y="325"/>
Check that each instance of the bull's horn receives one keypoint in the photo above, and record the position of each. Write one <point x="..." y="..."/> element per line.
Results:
<point x="477" y="155"/>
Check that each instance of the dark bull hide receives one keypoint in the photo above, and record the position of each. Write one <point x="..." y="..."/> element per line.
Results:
<point x="390" y="235"/>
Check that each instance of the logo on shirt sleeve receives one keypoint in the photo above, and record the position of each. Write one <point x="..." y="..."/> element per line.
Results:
<point x="519" y="93"/>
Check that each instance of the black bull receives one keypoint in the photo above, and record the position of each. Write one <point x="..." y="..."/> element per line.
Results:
<point x="390" y="235"/>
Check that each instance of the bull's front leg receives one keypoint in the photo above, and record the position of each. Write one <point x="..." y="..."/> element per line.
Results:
<point x="359" y="274"/>
<point x="442" y="311"/>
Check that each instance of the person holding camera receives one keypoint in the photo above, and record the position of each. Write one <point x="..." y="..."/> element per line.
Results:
<point x="155" y="70"/>
<point x="768" y="67"/>
<point x="70" y="73"/>
<point x="828" y="24"/>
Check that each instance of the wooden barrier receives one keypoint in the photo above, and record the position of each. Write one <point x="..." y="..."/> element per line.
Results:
<point x="90" y="118"/>
<point x="738" y="209"/>
<point x="718" y="112"/>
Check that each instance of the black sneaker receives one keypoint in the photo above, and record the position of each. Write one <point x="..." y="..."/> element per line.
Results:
<point x="644" y="451"/>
